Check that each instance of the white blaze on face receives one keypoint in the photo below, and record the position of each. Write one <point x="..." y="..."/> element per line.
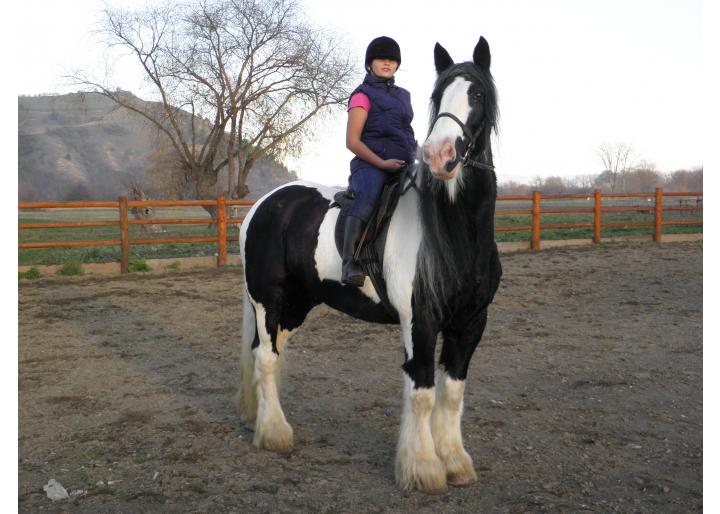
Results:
<point x="455" y="101"/>
<point x="439" y="147"/>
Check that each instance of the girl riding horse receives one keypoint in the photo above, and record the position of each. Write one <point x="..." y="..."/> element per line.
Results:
<point x="440" y="265"/>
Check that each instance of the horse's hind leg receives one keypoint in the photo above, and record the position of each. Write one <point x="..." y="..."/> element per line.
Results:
<point x="446" y="416"/>
<point x="272" y="431"/>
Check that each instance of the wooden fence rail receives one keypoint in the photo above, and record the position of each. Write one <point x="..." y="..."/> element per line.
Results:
<point x="222" y="220"/>
<point x="536" y="211"/>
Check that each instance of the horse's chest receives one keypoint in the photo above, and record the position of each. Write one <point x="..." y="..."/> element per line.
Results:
<point x="468" y="304"/>
<point x="400" y="254"/>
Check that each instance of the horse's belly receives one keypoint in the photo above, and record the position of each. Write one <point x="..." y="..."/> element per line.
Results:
<point x="352" y="301"/>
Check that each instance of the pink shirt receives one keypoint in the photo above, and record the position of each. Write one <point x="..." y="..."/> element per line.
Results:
<point x="361" y="100"/>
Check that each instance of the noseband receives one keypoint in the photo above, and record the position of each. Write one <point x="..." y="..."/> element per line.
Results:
<point x="465" y="146"/>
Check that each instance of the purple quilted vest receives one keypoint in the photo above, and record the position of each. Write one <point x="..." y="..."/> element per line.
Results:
<point x="387" y="131"/>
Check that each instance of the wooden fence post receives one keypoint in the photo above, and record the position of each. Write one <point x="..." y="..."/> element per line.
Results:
<point x="597" y="231"/>
<point x="222" y="231"/>
<point x="535" y="233"/>
<point x="658" y="214"/>
<point x="124" y="236"/>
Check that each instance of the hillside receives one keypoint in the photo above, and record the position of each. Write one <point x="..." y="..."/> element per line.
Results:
<point x="81" y="147"/>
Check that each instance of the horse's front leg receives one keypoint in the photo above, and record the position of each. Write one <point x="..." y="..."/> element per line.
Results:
<point x="445" y="423"/>
<point x="457" y="350"/>
<point x="417" y="465"/>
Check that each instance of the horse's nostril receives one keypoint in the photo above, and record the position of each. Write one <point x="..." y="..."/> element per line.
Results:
<point x="448" y="151"/>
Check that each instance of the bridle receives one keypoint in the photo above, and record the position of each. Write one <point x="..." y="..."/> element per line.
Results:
<point x="465" y="146"/>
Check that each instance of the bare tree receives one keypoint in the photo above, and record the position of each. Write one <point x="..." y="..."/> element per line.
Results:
<point x="581" y="183"/>
<point x="616" y="159"/>
<point x="537" y="183"/>
<point x="644" y="176"/>
<point x="549" y="185"/>
<point x="513" y="188"/>
<point x="236" y="80"/>
<point x="686" y="180"/>
<point x="553" y="186"/>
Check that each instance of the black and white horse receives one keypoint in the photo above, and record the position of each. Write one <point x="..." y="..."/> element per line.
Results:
<point x="440" y="264"/>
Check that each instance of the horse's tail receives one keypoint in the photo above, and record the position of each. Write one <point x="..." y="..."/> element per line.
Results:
<point x="246" y="400"/>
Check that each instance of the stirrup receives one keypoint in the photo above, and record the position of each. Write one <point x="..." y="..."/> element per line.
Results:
<point x="356" y="279"/>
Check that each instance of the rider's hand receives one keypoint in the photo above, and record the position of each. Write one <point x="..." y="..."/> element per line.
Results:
<point x="392" y="164"/>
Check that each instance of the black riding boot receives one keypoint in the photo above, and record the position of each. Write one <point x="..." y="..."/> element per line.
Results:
<point x="352" y="273"/>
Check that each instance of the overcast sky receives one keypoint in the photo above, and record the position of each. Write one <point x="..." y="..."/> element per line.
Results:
<point x="571" y="75"/>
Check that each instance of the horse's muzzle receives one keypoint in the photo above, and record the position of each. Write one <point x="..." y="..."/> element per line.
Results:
<point x="443" y="160"/>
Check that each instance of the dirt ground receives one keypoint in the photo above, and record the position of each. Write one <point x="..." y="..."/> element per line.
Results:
<point x="584" y="396"/>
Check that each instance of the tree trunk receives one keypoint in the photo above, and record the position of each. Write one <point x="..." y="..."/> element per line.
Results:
<point x="230" y="151"/>
<point x="242" y="188"/>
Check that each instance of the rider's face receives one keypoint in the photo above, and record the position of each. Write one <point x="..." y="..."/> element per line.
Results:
<point x="384" y="68"/>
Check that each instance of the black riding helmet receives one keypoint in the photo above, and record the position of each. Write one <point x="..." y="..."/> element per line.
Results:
<point x="382" y="47"/>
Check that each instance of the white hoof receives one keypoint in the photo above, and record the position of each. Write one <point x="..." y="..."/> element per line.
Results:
<point x="276" y="437"/>
<point x="428" y="476"/>
<point x="460" y="469"/>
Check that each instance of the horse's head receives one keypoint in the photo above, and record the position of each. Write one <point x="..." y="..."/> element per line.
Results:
<point x="463" y="114"/>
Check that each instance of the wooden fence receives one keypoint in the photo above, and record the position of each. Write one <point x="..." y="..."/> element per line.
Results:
<point x="221" y="221"/>
<point x="123" y="206"/>
<point x="597" y="210"/>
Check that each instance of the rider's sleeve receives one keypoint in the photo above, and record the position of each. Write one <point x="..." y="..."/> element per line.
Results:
<point x="361" y="100"/>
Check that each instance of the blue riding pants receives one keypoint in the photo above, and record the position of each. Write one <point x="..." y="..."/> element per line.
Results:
<point x="367" y="182"/>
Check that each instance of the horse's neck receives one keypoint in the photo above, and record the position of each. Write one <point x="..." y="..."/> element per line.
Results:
<point x="470" y="216"/>
<point x="473" y="208"/>
<point x="481" y="205"/>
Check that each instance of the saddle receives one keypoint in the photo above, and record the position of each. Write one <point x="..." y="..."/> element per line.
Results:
<point x="371" y="247"/>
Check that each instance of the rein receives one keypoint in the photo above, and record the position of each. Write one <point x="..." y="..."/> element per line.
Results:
<point x="465" y="146"/>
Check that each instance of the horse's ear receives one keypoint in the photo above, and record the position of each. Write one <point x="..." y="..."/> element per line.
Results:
<point x="481" y="54"/>
<point x="442" y="59"/>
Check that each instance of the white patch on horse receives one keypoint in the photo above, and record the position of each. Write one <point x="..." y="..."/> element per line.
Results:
<point x="328" y="262"/>
<point x="272" y="431"/>
<point x="455" y="101"/>
<point x="327" y="191"/>
<point x="417" y="465"/>
<point x="400" y="255"/>
<point x="406" y="327"/>
<point x="282" y="338"/>
<point x="369" y="290"/>
<point x="446" y="432"/>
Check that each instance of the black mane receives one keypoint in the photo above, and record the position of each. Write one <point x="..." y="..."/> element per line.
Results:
<point x="456" y="232"/>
